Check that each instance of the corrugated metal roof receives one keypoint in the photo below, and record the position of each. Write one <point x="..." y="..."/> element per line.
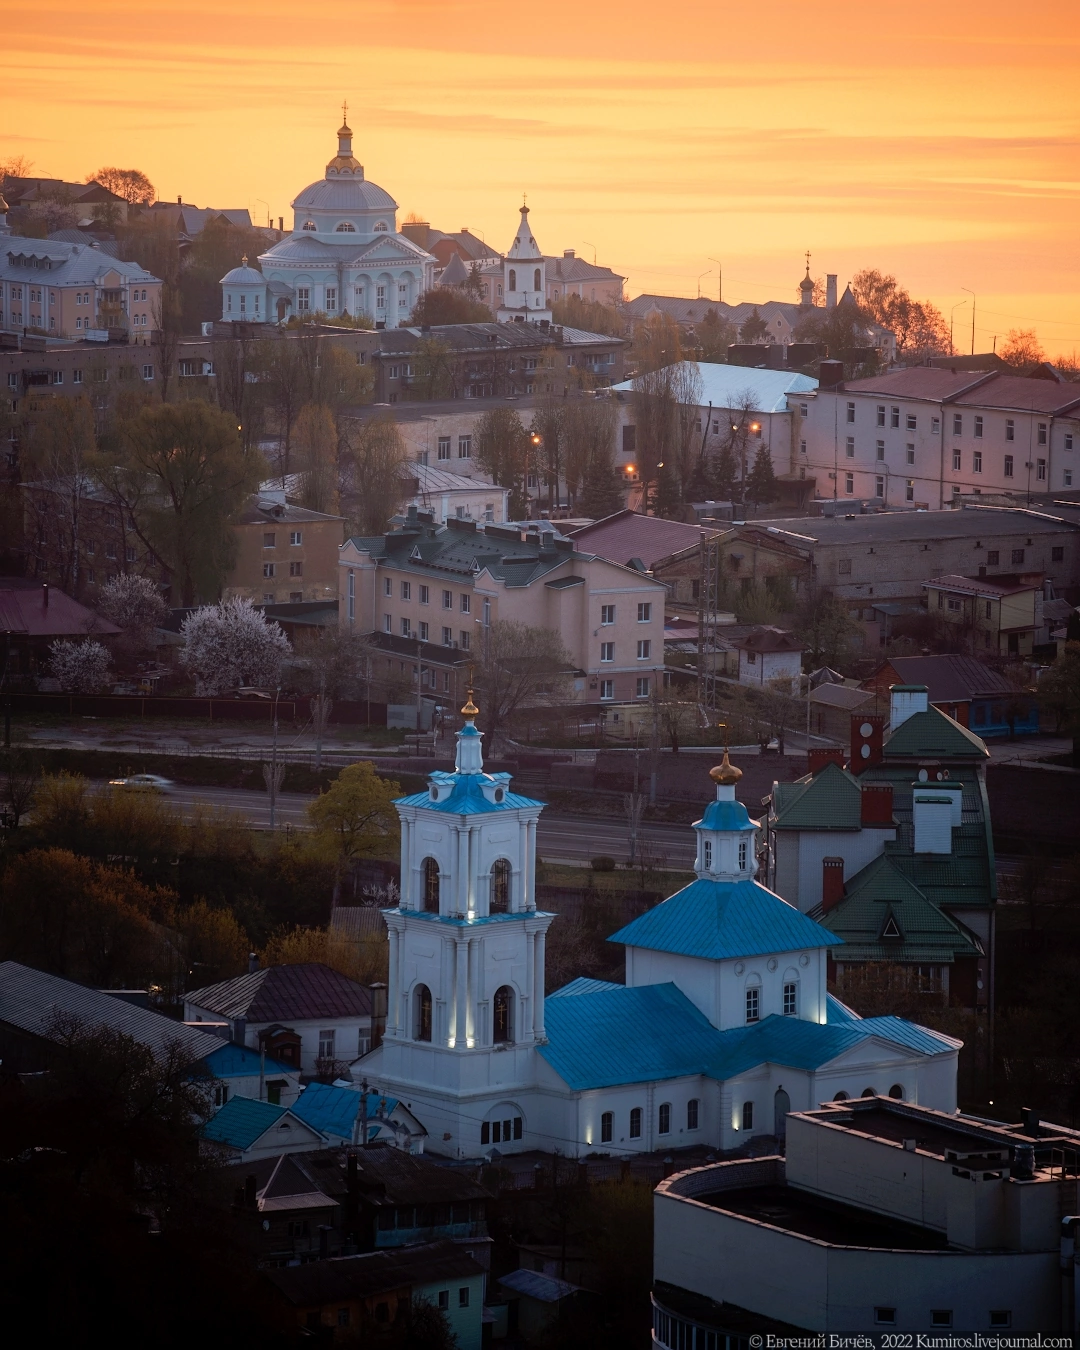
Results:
<point x="534" y="1284"/>
<point x="237" y="1061"/>
<point x="285" y="994"/>
<point x="241" y="1121"/>
<point x="831" y="800"/>
<point x="31" y="1000"/>
<point x="950" y="678"/>
<point x="24" y="610"/>
<point x="583" y="985"/>
<point x="333" y="1110"/>
<point x="724" y="920"/>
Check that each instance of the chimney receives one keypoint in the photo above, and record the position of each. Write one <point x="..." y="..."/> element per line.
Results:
<point x="817" y="759"/>
<point x="45" y="595"/>
<point x="905" y="700"/>
<point x="877" y="804"/>
<point x="830" y="374"/>
<point x="568" y="253"/>
<point x="281" y="224"/>
<point x="832" y="883"/>
<point x="1030" y="1117"/>
<point x="179" y="200"/>
<point x="931" y="818"/>
<point x="253" y="962"/>
<point x="867" y="737"/>
<point x="830" y="290"/>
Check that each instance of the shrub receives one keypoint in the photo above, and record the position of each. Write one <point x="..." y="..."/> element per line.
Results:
<point x="603" y="864"/>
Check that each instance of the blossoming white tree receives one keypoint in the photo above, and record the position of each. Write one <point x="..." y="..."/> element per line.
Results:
<point x="231" y="644"/>
<point x="82" y="667"/>
<point x="133" y="604"/>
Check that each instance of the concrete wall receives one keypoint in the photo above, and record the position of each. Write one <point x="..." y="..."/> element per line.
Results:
<point x="316" y="556"/>
<point x="799" y="855"/>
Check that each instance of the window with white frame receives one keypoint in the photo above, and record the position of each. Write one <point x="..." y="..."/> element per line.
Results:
<point x="879" y="486"/>
<point x="909" y="452"/>
<point x="388" y="586"/>
<point x="388" y="623"/>
<point x="849" y="447"/>
<point x="976" y="461"/>
<point x="1009" y="463"/>
<point x="956" y="461"/>
<point x="644" y="612"/>
<point x="849" y="484"/>
<point x="881" y="414"/>
<point x="879" y="446"/>
<point x="607" y="689"/>
<point x="753" y="1003"/>
<point x="607" y="651"/>
<point x="444" y="447"/>
<point x="447" y="637"/>
<point x="424" y="631"/>
<point x="909" y="490"/>
<point x="851" y="412"/>
<point x="464" y="447"/>
<point x="1040" y="470"/>
<point x="1010" y="429"/>
<point x="466" y="603"/>
<point x="465" y="639"/>
<point x="706" y="853"/>
<point x="326" y="1044"/>
<point x="742" y="853"/>
<point x="912" y="422"/>
<point x="607" y="614"/>
<point x="644" y="650"/>
<point x="791" y="997"/>
<point x="643" y="686"/>
<point x="978" y="428"/>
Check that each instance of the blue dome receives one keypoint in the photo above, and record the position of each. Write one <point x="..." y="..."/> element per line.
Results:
<point x="728" y="816"/>
<point x="243" y="276"/>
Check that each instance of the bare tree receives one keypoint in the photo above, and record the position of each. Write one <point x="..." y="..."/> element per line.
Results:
<point x="59" y="446"/>
<point x="315" y="440"/>
<point x="372" y="478"/>
<point x="520" y="666"/>
<point x="131" y="184"/>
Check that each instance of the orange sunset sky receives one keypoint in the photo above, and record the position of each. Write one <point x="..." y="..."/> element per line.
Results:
<point x="937" y="140"/>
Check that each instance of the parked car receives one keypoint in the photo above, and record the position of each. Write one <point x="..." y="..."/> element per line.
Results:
<point x="143" y="782"/>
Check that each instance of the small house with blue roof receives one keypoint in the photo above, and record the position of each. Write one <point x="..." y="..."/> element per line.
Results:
<point x="722" y="1027"/>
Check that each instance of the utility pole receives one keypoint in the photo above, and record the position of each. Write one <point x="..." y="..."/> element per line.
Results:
<point x="972" y="294"/>
<point x="720" y="283"/>
<point x="952" y="319"/>
<point x="272" y="772"/>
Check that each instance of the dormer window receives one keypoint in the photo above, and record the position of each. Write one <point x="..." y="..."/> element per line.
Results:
<point x="346" y="227"/>
<point x="309" y="225"/>
<point x="381" y="227"/>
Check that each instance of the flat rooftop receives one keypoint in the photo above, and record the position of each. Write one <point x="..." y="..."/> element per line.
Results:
<point x="813" y="1216"/>
<point x="884" y="527"/>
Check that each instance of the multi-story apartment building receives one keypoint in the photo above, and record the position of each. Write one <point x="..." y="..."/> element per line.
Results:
<point x="285" y="553"/>
<point x="429" y="593"/>
<point x="923" y="437"/>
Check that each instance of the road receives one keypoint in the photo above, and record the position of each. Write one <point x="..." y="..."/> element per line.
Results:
<point x="570" y="837"/>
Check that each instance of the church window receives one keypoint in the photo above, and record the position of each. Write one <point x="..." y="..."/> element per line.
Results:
<point x="664" y="1121"/>
<point x="500" y="886"/>
<point x="868" y="1092"/>
<point x="331" y="299"/>
<point x="503" y="1030"/>
<point x="309" y="225"/>
<point x="380" y="297"/>
<point x="303" y="299"/>
<point x="346" y="227"/>
<point x="511" y="281"/>
<point x="635" y="1123"/>
<point x="607" y="1124"/>
<point x="692" y="1113"/>
<point x="243" y="303"/>
<point x="896" y="1092"/>
<point x="422" y="1013"/>
<point x="748" y="1115"/>
<point x="840" y="1097"/>
<point x="707" y="853"/>
<point x="431" y="886"/>
<point x="536" y="280"/>
<point x="228" y="306"/>
<point x="381" y="227"/>
<point x="742" y="853"/>
<point x="753" y="1003"/>
<point x="790" y="999"/>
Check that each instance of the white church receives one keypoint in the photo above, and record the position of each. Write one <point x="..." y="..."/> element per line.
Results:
<point x="346" y="257"/>
<point x="723" y="1024"/>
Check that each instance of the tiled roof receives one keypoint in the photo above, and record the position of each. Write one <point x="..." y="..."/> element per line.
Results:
<point x="292" y="993"/>
<point x="653" y="1032"/>
<point x="358" y="1277"/>
<point x="830" y="800"/>
<point x="881" y="892"/>
<point x="723" y="920"/>
<point x="24" y="612"/>
<point x="629" y="534"/>
<point x="949" y="678"/>
<point x="31" y="999"/>
<point x="934" y="735"/>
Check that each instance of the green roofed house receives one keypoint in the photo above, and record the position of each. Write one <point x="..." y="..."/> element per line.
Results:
<point x="894" y="853"/>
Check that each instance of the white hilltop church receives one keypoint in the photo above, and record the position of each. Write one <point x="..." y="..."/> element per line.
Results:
<point x="723" y="1024"/>
<point x="344" y="256"/>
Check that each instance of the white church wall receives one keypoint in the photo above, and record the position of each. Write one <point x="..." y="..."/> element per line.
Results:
<point x="768" y="974"/>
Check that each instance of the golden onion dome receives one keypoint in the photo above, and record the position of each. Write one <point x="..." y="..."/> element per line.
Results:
<point x="725" y="773"/>
<point x="470" y="709"/>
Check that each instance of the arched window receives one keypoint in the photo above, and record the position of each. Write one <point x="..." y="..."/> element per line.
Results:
<point x="422" y="1013"/>
<point x="748" y="1115"/>
<point x="503" y="1029"/>
<point x="896" y="1092"/>
<point x="607" y="1127"/>
<point x="431" y="886"/>
<point x="692" y="1113"/>
<point x="500" y="886"/>
<point x="346" y="227"/>
<point x="536" y="280"/>
<point x="664" y="1122"/>
<point x="635" y="1123"/>
<point x="841" y="1097"/>
<point x="309" y="225"/>
<point x="868" y="1092"/>
<point x="753" y="1002"/>
<point x="381" y="227"/>
<point x="511" y="284"/>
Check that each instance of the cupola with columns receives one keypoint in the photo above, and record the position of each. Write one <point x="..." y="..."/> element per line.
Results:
<point x="725" y="833"/>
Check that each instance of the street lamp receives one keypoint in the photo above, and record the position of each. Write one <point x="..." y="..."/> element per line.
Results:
<point x="972" y="294"/>
<point x="704" y="274"/>
<point x="720" y="283"/>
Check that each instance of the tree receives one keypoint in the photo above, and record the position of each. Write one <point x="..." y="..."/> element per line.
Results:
<point x="656" y="342"/>
<point x="232" y="644"/>
<point x="502" y="449"/>
<point x="1022" y="349"/>
<point x="82" y="667"/>
<point x="761" y="484"/>
<point x="666" y="401"/>
<point x="435" y="370"/>
<point x="135" y="605"/>
<point x="588" y="443"/>
<point x="373" y="479"/>
<point x="1059" y="693"/>
<point x="601" y="494"/>
<point x="57" y="447"/>
<point x="361" y="959"/>
<point x="918" y="326"/>
<point x="131" y="184"/>
<point x="15" y="166"/>
<point x="591" y="316"/>
<point x="520" y="666"/>
<point x="715" y="334"/>
<point x="184" y="477"/>
<point x="355" y="817"/>
<point x="548" y="423"/>
<point x="20" y="774"/>
<point x="828" y="632"/>
<point x="215" y="945"/>
<point x="754" y="328"/>
<point x="333" y="662"/>
<point x="315" y="439"/>
<point x="448" y="304"/>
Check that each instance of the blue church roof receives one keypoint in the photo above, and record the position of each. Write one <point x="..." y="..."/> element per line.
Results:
<point x="333" y="1110"/>
<point x="730" y="816"/>
<point x="467" y="797"/>
<point x="722" y="920"/>
<point x="614" y="1035"/>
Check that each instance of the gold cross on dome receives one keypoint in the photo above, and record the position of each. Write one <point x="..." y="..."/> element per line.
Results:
<point x="344" y="113"/>
<point x="808" y="261"/>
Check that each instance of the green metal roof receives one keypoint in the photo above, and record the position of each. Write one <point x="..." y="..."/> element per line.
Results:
<point x="831" y="800"/>
<point x="934" y="735"/>
<point x="882" y="894"/>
